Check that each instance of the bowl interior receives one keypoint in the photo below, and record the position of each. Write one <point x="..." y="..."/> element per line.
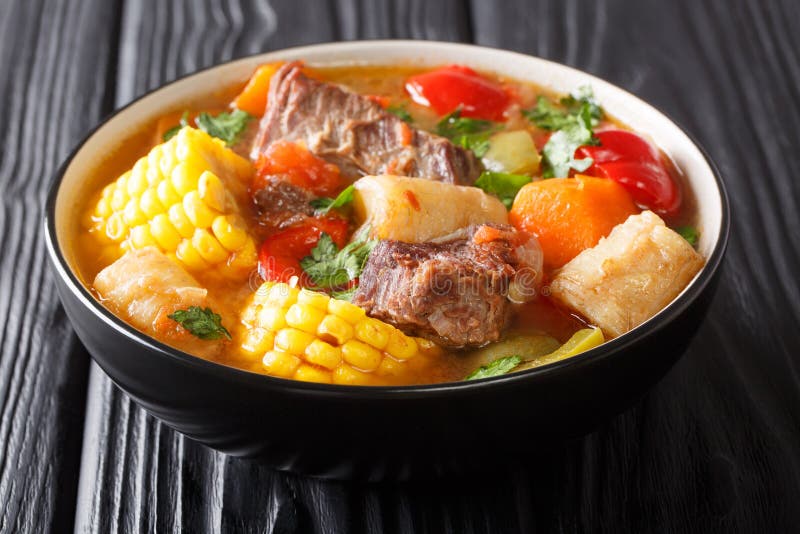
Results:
<point x="629" y="109"/>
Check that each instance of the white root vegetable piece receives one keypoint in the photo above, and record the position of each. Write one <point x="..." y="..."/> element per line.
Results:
<point x="628" y="276"/>
<point x="415" y="210"/>
<point x="144" y="286"/>
<point x="512" y="152"/>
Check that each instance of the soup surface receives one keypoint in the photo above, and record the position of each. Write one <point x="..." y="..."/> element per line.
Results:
<point x="386" y="225"/>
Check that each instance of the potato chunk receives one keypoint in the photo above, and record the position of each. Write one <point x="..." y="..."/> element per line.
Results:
<point x="416" y="210"/>
<point x="144" y="286"/>
<point x="628" y="276"/>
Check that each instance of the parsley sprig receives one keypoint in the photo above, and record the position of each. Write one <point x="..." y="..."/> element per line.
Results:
<point x="225" y="126"/>
<point x="503" y="185"/>
<point x="202" y="323"/>
<point x="472" y="134"/>
<point x="330" y="268"/>
<point x="498" y="367"/>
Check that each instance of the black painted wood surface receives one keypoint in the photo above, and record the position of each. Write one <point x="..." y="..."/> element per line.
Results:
<point x="714" y="448"/>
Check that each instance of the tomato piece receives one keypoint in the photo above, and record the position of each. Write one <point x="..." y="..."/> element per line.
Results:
<point x="630" y="160"/>
<point x="297" y="165"/>
<point x="280" y="254"/>
<point x="449" y="88"/>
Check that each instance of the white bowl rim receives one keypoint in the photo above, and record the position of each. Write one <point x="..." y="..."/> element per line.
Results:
<point x="394" y="50"/>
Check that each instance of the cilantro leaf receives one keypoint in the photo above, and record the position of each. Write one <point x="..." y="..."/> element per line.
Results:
<point x="689" y="233"/>
<point x="559" y="151"/>
<point x="325" y="204"/>
<point x="346" y="294"/>
<point x="202" y="323"/>
<point x="502" y="184"/>
<point x="584" y="96"/>
<point x="225" y="126"/>
<point x="329" y="268"/>
<point x="401" y="112"/>
<point x="472" y="134"/>
<point x="169" y="134"/>
<point x="498" y="367"/>
<point x="549" y="116"/>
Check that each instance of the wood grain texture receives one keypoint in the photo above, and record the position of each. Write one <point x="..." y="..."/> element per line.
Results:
<point x="715" y="447"/>
<point x="55" y="57"/>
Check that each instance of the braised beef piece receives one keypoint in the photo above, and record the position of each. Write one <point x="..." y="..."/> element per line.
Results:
<point x="452" y="292"/>
<point x="356" y="133"/>
<point x="280" y="204"/>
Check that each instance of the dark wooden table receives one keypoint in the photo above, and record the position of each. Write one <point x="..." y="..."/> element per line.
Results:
<point x="714" y="447"/>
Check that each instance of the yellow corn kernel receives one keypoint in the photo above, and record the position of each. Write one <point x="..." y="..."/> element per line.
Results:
<point x="103" y="208"/>
<point x="282" y="295"/>
<point x="189" y="256"/>
<point x="401" y="346"/>
<point x="150" y="204"/>
<point x="108" y="190"/>
<point x="292" y="340"/>
<point x="346" y="310"/>
<point x="180" y="221"/>
<point x="211" y="191"/>
<point x="137" y="182"/>
<point x="132" y="215"/>
<point x="168" y="159"/>
<point x="196" y="210"/>
<point x="154" y="158"/>
<point x="141" y="237"/>
<point x="309" y="373"/>
<point x="245" y="258"/>
<point x="374" y="332"/>
<point x="167" y="194"/>
<point x="260" y="295"/>
<point x="208" y="247"/>
<point x="335" y="329"/>
<point x="119" y="199"/>
<point x="315" y="299"/>
<point x="280" y="364"/>
<point x="116" y="229"/>
<point x="390" y="367"/>
<point x="305" y="318"/>
<point x="258" y="341"/>
<point x="323" y="354"/>
<point x="346" y="375"/>
<point x="231" y="236"/>
<point x="361" y="356"/>
<point x="272" y="318"/>
<point x="184" y="178"/>
<point x="162" y="230"/>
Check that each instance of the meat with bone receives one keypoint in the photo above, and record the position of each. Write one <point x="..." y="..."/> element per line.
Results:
<point x="356" y="133"/>
<point x="455" y="291"/>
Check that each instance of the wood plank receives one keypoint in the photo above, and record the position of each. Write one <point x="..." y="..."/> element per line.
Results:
<point x="712" y="448"/>
<point x="54" y="57"/>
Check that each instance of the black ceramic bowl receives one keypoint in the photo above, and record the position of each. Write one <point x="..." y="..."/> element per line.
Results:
<point x="377" y="432"/>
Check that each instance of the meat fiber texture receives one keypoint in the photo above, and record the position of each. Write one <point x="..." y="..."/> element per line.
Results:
<point x="356" y="133"/>
<point x="453" y="292"/>
<point x="144" y="286"/>
<point x="628" y="276"/>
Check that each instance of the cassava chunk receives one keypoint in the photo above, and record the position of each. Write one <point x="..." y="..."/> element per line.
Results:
<point x="415" y="210"/>
<point x="628" y="276"/>
<point x="144" y="286"/>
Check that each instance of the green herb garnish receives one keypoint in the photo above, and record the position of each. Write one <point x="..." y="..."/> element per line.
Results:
<point x="580" y="97"/>
<point x="325" y="204"/>
<point x="169" y="134"/>
<point x="330" y="268"/>
<point x="549" y="116"/>
<point x="498" y="367"/>
<point x="202" y="323"/>
<point x="558" y="154"/>
<point x="472" y="134"/>
<point x="502" y="184"/>
<point x="689" y="233"/>
<point x="345" y="294"/>
<point x="225" y="126"/>
<point x="401" y="112"/>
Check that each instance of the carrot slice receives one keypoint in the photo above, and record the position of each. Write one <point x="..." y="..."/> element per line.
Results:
<point x="253" y="98"/>
<point x="569" y="215"/>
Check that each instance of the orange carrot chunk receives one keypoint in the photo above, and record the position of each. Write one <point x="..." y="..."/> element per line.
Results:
<point x="253" y="98"/>
<point x="569" y="215"/>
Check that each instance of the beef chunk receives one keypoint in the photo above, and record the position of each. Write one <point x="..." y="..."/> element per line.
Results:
<point x="355" y="133"/>
<point x="281" y="204"/>
<point x="453" y="292"/>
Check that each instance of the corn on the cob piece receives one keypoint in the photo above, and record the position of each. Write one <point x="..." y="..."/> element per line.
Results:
<point x="182" y="197"/>
<point x="306" y="335"/>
